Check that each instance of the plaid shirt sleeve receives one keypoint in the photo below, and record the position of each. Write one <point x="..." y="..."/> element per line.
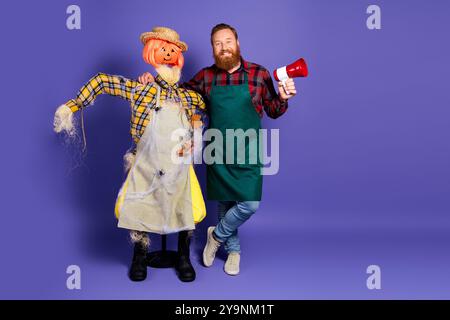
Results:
<point x="103" y="83"/>
<point x="273" y="104"/>
<point x="197" y="83"/>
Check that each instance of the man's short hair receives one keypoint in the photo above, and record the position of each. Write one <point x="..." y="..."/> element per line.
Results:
<point x="222" y="26"/>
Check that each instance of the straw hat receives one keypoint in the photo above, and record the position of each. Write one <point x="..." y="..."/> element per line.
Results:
<point x="163" y="33"/>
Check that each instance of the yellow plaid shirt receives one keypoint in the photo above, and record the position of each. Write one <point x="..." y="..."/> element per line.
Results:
<point x="141" y="97"/>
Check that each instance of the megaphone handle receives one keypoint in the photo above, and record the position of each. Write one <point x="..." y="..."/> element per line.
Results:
<point x="283" y="83"/>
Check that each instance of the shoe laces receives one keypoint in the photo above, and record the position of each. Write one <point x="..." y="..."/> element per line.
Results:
<point x="215" y="246"/>
<point x="233" y="259"/>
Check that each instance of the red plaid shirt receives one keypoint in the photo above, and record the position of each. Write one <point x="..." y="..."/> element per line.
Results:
<point x="262" y="91"/>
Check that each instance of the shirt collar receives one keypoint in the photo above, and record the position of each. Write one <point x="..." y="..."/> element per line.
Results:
<point x="164" y="84"/>
<point x="244" y="65"/>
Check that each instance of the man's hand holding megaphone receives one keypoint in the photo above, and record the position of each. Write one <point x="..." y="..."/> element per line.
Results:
<point x="287" y="90"/>
<point x="284" y="75"/>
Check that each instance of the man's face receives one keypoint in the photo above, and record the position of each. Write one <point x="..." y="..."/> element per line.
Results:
<point x="226" y="49"/>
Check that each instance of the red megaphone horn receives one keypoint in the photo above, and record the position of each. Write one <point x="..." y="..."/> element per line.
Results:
<point x="293" y="70"/>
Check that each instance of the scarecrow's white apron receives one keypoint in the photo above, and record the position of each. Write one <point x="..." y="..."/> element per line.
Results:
<point x="160" y="195"/>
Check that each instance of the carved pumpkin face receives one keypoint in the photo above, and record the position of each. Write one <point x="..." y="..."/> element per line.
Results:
<point x="167" y="54"/>
<point x="159" y="52"/>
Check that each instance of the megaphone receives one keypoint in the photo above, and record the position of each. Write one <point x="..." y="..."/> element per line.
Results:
<point x="293" y="70"/>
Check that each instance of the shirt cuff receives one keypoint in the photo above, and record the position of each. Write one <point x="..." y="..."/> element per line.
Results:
<point x="73" y="105"/>
<point x="283" y="103"/>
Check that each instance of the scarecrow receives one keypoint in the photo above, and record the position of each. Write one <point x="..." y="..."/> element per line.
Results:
<point x="161" y="193"/>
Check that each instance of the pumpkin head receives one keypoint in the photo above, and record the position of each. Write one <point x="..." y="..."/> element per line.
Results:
<point x="159" y="52"/>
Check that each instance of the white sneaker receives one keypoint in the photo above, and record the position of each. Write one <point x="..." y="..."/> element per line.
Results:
<point x="212" y="245"/>
<point x="232" y="264"/>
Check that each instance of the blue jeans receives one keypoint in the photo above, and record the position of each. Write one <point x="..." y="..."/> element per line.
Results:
<point x="232" y="215"/>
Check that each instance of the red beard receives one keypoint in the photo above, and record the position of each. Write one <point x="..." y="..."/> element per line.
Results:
<point x="228" y="63"/>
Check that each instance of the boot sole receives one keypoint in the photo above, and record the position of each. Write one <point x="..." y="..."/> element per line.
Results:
<point x="137" y="279"/>
<point x="186" y="279"/>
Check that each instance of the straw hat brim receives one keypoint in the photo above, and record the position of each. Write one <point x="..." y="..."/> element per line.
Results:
<point x="155" y="35"/>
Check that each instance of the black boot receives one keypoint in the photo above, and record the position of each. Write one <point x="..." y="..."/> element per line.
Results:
<point x="138" y="269"/>
<point x="183" y="266"/>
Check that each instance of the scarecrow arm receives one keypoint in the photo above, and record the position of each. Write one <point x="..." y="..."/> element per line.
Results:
<point x="101" y="83"/>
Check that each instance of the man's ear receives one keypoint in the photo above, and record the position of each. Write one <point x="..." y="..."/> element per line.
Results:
<point x="237" y="41"/>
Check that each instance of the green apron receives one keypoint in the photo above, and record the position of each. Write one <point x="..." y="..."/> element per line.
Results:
<point x="231" y="107"/>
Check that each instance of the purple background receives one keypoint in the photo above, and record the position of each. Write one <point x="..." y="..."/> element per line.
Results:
<point x="364" y="175"/>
